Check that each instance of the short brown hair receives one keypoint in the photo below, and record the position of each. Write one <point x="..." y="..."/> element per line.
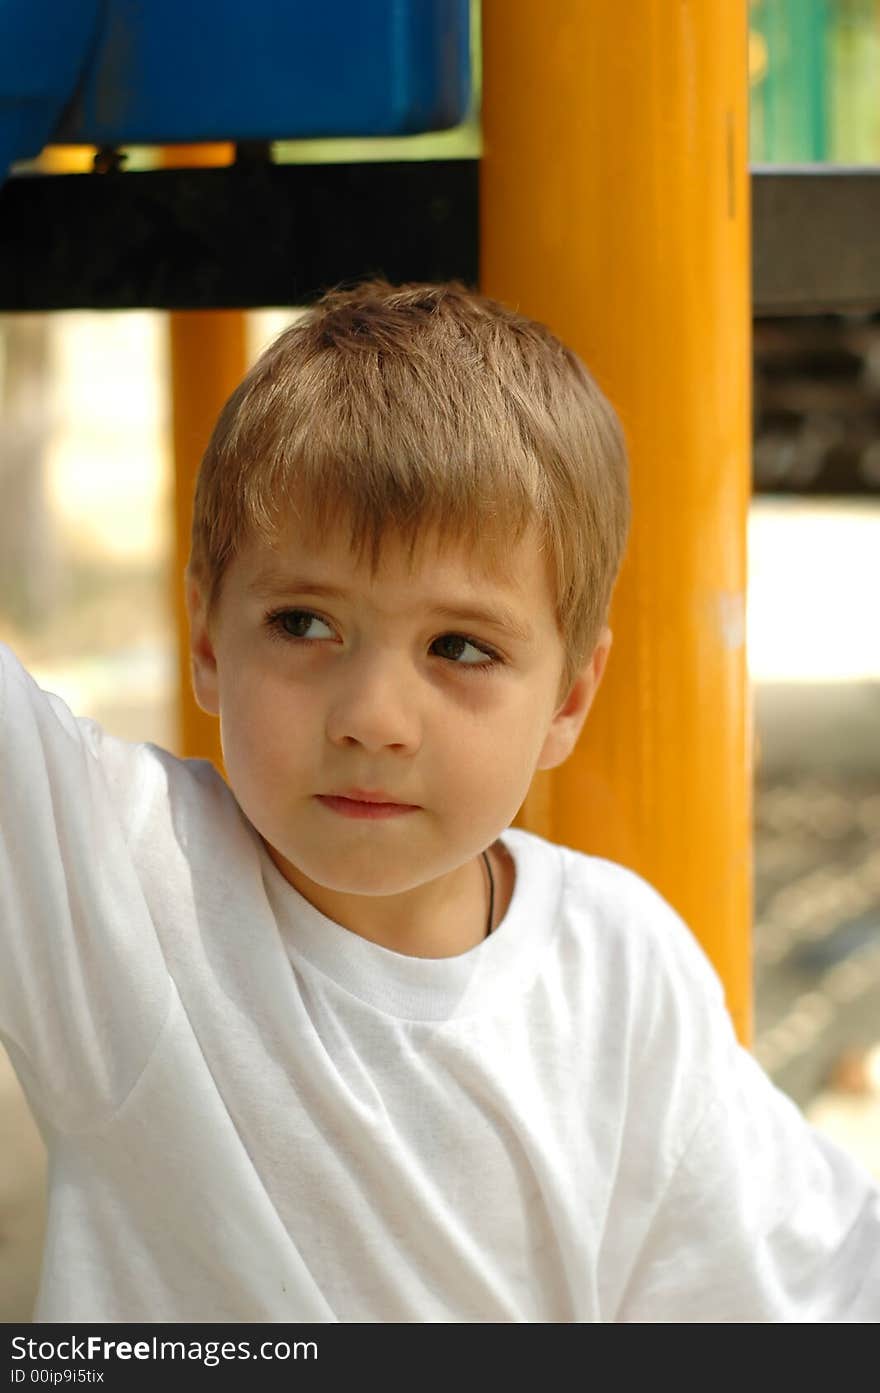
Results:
<point x="405" y="409"/>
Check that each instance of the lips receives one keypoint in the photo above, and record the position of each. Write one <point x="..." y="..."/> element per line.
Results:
<point x="370" y="795"/>
<point x="361" y="807"/>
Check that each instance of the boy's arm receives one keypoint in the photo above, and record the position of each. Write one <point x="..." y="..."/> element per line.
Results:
<point x="82" y="984"/>
<point x="725" y="1205"/>
<point x="764" y="1219"/>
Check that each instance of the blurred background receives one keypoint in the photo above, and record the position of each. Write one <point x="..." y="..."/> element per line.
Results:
<point x="87" y="588"/>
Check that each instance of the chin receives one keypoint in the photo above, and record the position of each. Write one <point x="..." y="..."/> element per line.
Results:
<point x="351" y="880"/>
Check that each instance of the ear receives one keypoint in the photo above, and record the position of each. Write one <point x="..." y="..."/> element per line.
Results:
<point x="203" y="661"/>
<point x="568" y="721"/>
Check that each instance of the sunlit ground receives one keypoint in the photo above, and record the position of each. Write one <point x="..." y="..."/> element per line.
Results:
<point x="814" y="657"/>
<point x="814" y="587"/>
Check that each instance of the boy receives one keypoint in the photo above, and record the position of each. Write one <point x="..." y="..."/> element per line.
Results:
<point x="335" y="1042"/>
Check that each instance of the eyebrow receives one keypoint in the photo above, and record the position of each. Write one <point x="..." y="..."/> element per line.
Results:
<point x="271" y="583"/>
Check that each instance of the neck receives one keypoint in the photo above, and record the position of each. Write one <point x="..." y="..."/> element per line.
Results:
<point x="441" y="919"/>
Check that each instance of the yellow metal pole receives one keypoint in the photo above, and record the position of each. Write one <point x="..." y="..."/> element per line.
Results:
<point x="66" y="159"/>
<point x="615" y="207"/>
<point x="208" y="359"/>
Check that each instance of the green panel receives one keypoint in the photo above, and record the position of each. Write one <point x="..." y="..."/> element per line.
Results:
<point x="815" y="81"/>
<point x="854" y="87"/>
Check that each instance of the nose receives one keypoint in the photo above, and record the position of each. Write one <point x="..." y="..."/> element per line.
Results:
<point x="374" y="704"/>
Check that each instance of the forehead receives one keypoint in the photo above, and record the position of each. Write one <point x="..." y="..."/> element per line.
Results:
<point x="441" y="575"/>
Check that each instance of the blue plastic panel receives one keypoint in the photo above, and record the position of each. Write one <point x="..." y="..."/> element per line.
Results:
<point x="43" y="46"/>
<point x="165" y="71"/>
<point x="125" y="72"/>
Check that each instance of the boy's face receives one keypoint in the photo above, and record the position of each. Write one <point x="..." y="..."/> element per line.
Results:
<point x="373" y="690"/>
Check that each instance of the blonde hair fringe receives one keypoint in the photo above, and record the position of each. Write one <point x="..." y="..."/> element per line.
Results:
<point x="419" y="410"/>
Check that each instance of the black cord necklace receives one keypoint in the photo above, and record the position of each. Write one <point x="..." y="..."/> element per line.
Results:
<point x="491" y="894"/>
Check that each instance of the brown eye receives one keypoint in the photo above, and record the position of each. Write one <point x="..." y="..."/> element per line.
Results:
<point x="295" y="622"/>
<point x="454" y="644"/>
<point x="457" y="643"/>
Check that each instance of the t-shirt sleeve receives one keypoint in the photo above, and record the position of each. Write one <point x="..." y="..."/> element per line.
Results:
<point x="761" y="1218"/>
<point x="83" y="987"/>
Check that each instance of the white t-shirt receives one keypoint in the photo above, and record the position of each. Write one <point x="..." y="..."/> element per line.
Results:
<point x="253" y="1114"/>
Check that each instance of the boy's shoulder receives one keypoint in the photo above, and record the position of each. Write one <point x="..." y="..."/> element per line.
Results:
<point x="625" y="984"/>
<point x="609" y="896"/>
<point x="138" y="776"/>
<point x="612" y="924"/>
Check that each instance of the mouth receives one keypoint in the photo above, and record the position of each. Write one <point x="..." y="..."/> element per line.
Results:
<point x="376" y="796"/>
<point x="362" y="807"/>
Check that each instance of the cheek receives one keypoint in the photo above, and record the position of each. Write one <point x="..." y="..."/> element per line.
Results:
<point x="501" y="751"/>
<point x="264" y="723"/>
<point x="524" y="740"/>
